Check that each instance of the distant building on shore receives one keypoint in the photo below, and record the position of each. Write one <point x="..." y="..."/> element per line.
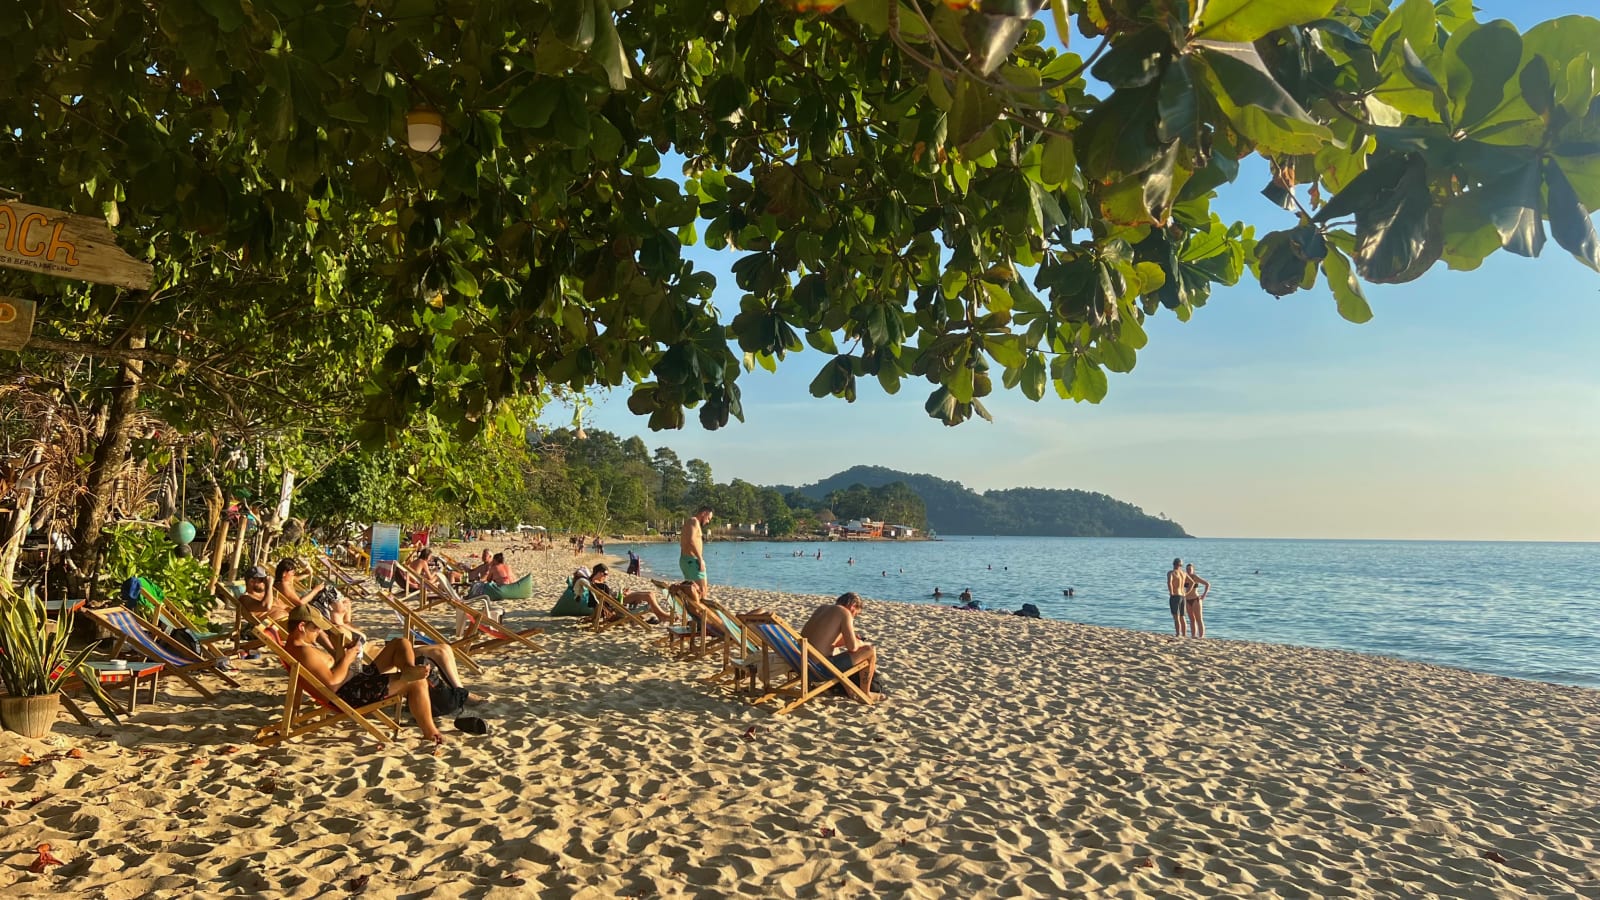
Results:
<point x="867" y="529"/>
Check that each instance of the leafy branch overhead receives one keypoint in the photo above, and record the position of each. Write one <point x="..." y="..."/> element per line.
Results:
<point x="912" y="189"/>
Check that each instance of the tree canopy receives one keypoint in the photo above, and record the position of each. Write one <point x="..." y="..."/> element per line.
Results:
<point x="916" y="190"/>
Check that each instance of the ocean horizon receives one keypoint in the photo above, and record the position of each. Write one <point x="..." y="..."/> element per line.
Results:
<point x="1522" y="609"/>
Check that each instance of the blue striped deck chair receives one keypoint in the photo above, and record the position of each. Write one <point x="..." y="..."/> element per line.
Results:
<point x="741" y="653"/>
<point x="411" y="620"/>
<point x="135" y="633"/>
<point x="810" y="673"/>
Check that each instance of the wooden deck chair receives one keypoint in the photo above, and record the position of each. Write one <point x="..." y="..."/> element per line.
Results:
<point x="609" y="610"/>
<point x="741" y="651"/>
<point x="811" y="673"/>
<point x="686" y="635"/>
<point x="135" y="633"/>
<point x="417" y="626"/>
<point x="477" y="631"/>
<point x="170" y="614"/>
<point x="326" y="707"/>
<point x="243" y="622"/>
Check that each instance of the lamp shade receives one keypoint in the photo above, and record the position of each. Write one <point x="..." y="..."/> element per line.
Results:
<point x="424" y="128"/>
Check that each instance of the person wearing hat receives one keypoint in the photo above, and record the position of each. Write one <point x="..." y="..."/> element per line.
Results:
<point x="394" y="671"/>
<point x="257" y="596"/>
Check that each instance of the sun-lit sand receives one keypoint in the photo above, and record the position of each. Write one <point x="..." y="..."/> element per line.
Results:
<point x="1013" y="758"/>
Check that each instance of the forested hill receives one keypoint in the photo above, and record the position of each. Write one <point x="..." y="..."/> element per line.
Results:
<point x="955" y="509"/>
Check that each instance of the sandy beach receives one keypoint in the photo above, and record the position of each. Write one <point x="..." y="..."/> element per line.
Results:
<point x="1013" y="758"/>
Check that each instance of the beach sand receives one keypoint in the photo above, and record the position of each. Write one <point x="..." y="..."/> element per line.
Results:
<point x="1013" y="758"/>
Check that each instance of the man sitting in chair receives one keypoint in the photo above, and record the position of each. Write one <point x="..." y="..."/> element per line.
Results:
<point x="832" y="629"/>
<point x="362" y="684"/>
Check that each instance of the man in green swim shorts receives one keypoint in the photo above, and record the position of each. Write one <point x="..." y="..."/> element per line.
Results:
<point x="692" y="550"/>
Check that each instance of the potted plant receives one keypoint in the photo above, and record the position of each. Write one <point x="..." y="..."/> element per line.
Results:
<point x="34" y="662"/>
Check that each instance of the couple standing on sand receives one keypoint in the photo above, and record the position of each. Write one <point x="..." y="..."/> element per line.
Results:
<point x="1185" y="591"/>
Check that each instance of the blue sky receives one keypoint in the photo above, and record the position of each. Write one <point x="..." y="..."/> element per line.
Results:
<point x="1468" y="408"/>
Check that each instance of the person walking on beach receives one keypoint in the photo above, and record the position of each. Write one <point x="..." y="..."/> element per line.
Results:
<point x="1177" y="586"/>
<point x="832" y="629"/>
<point x="692" y="550"/>
<point x="1196" y="589"/>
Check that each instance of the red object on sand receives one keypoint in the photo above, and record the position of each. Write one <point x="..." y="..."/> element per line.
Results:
<point x="44" y="861"/>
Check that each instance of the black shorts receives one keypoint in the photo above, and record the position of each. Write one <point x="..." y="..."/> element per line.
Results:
<point x="842" y="661"/>
<point x="364" y="689"/>
<point x="1175" y="602"/>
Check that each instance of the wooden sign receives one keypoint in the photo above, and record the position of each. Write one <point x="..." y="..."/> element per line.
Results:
<point x="16" y="323"/>
<point x="52" y="242"/>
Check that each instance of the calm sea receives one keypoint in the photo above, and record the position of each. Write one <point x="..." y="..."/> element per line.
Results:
<point x="1526" y="610"/>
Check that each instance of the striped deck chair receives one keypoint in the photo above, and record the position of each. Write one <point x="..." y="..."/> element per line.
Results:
<point x="326" y="707"/>
<point x="477" y="630"/>
<point x="810" y="672"/>
<point x="243" y="622"/>
<point x="411" y="619"/>
<point x="136" y="634"/>
<point x="741" y="652"/>
<point x="609" y="610"/>
<point x="169" y="614"/>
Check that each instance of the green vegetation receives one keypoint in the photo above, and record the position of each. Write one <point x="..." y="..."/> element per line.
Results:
<point x="913" y="191"/>
<point x="954" y="509"/>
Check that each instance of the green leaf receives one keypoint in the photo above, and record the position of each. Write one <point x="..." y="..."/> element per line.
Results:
<point x="1179" y="105"/>
<point x="462" y="280"/>
<point x="975" y="108"/>
<point x="1570" y="223"/>
<point x="1255" y="103"/>
<point x="1056" y="165"/>
<point x="953" y="283"/>
<point x="1346" y="289"/>
<point x="1251" y="20"/>
<point x="1478" y="63"/>
<point x="1088" y="381"/>
<point x="1400" y="236"/>
<point x="608" y="49"/>
<point x="1033" y="377"/>
<point x="1417" y="73"/>
<point x="574" y="23"/>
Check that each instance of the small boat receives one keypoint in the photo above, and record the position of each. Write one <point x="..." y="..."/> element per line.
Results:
<point x="521" y="589"/>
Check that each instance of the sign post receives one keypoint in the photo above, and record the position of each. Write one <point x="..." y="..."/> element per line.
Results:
<point x="59" y="243"/>
<point x="16" y="322"/>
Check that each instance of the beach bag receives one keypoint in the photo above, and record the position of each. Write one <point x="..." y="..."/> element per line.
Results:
<point x="1028" y="611"/>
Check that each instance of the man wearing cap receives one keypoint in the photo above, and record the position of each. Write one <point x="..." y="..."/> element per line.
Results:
<point x="257" y="599"/>
<point x="361" y="684"/>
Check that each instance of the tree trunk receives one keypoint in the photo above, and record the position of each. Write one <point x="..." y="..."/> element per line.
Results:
<point x="27" y="489"/>
<point x="110" y="455"/>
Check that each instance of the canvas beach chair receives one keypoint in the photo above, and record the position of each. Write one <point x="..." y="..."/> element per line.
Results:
<point x="134" y="633"/>
<point x="741" y="651"/>
<point x="477" y="630"/>
<point x="810" y="674"/>
<point x="410" y="618"/>
<point x="609" y="610"/>
<point x="326" y="707"/>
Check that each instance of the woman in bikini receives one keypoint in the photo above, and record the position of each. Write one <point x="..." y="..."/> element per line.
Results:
<point x="1198" y="589"/>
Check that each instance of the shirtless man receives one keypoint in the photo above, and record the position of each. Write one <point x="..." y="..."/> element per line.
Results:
<point x="257" y="599"/>
<point x="361" y="685"/>
<point x="832" y="629"/>
<point x="1177" y="587"/>
<point x="692" y="550"/>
